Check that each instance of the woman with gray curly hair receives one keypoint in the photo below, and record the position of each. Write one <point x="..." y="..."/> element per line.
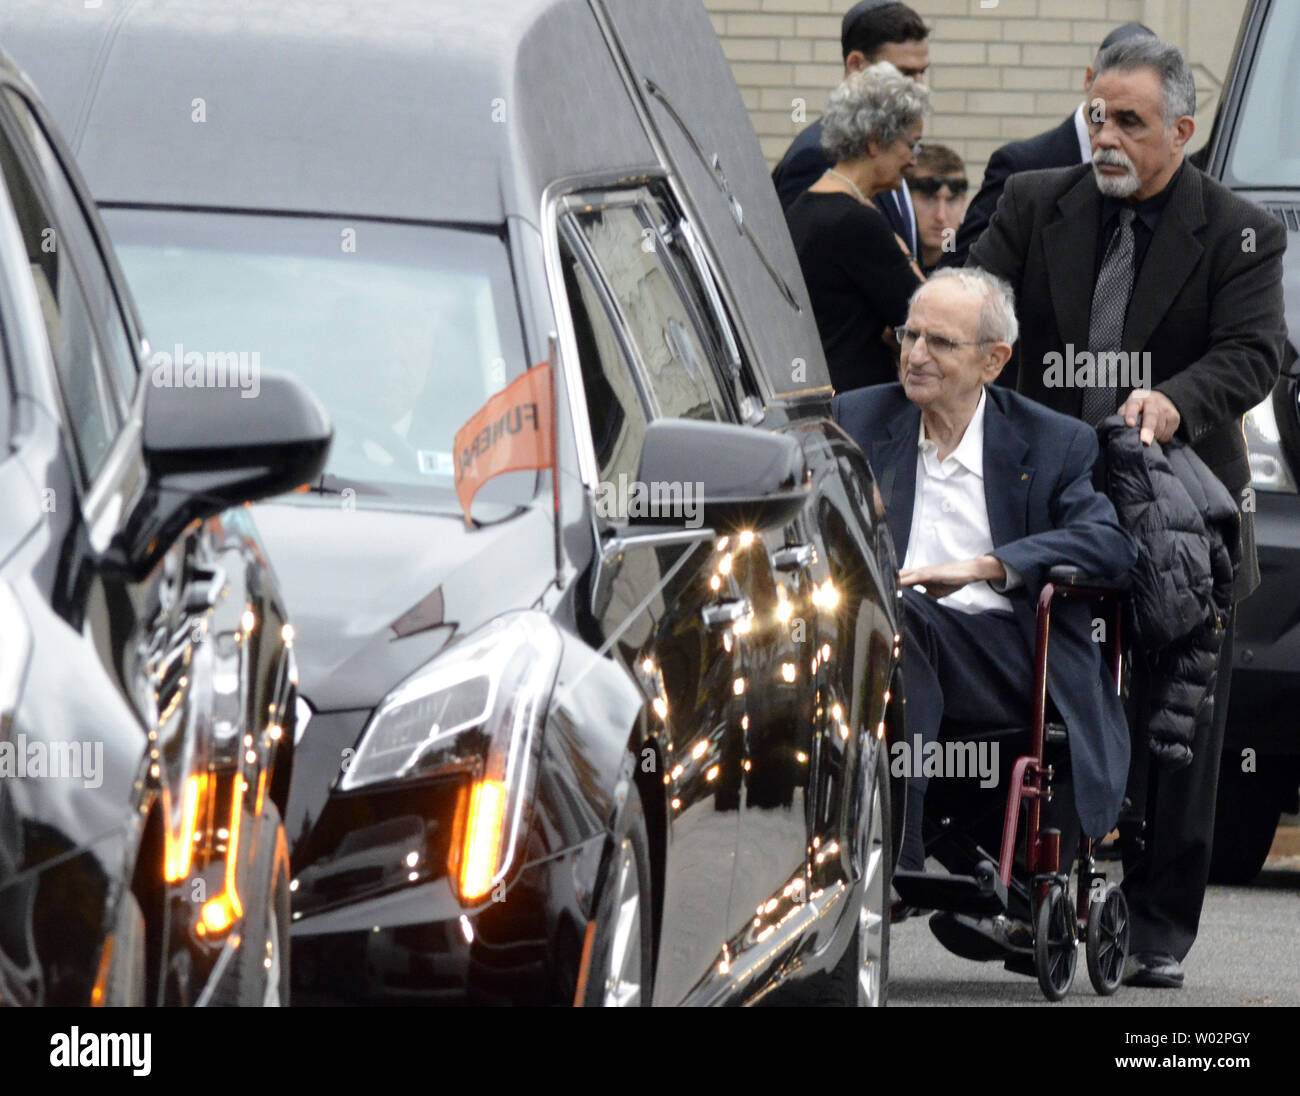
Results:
<point x="860" y="275"/>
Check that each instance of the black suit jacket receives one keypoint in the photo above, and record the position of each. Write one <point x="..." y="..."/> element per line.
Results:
<point x="1043" y="511"/>
<point x="1207" y="305"/>
<point x="1057" y="147"/>
<point x="804" y="163"/>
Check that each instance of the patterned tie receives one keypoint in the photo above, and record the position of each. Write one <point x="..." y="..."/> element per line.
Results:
<point x="1109" y="306"/>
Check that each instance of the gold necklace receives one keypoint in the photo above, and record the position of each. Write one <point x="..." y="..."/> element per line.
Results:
<point x="852" y="184"/>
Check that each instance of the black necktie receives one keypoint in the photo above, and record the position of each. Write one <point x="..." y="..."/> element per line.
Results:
<point x="1109" y="306"/>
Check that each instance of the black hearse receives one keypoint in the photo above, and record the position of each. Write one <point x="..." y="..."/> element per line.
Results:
<point x="555" y="750"/>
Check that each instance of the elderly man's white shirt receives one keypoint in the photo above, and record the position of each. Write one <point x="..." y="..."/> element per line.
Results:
<point x="950" y="516"/>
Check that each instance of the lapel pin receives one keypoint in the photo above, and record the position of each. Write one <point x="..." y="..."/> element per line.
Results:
<point x="1024" y="475"/>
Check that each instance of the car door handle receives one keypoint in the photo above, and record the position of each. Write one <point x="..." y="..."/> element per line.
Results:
<point x="202" y="593"/>
<point x="794" y="557"/>
<point x="726" y="613"/>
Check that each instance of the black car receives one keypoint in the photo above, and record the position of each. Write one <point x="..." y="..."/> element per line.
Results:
<point x="611" y="735"/>
<point x="1255" y="150"/>
<point x="147" y="680"/>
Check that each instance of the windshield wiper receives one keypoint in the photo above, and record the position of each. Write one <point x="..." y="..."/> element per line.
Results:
<point x="330" y="484"/>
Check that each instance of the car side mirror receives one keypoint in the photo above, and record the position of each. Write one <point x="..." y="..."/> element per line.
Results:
<point x="207" y="449"/>
<point x="736" y="477"/>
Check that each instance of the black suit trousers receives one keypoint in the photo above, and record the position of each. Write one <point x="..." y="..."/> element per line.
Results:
<point x="969" y="668"/>
<point x="1167" y="862"/>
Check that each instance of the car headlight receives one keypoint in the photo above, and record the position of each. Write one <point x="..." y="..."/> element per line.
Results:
<point x="1269" y="470"/>
<point x="473" y="712"/>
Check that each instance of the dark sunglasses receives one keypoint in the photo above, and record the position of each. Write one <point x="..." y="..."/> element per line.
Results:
<point x="930" y="185"/>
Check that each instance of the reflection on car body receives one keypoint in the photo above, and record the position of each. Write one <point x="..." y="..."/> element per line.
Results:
<point x="555" y="754"/>
<point x="147" y="681"/>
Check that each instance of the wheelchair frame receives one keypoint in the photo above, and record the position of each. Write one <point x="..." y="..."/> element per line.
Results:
<point x="1100" y="913"/>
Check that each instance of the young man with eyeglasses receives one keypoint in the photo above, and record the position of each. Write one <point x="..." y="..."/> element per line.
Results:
<point x="938" y="186"/>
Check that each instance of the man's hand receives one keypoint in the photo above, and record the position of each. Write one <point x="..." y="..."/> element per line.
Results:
<point x="1156" y="412"/>
<point x="943" y="579"/>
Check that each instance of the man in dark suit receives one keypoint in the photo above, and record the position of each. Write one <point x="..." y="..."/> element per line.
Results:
<point x="984" y="492"/>
<point x="1144" y="262"/>
<point x="872" y="30"/>
<point x="1063" y="146"/>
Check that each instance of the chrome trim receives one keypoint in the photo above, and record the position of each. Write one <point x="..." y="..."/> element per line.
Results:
<point x="682" y="197"/>
<point x="871" y="955"/>
<point x="117" y="486"/>
<point x="726" y="613"/>
<point x="302" y="716"/>
<point x="554" y="197"/>
<point x="25" y="332"/>
<point x="614" y="548"/>
<point x="629" y="199"/>
<point x="622" y="987"/>
<point x="794" y="557"/>
<point x="613" y="634"/>
<point x="642" y="198"/>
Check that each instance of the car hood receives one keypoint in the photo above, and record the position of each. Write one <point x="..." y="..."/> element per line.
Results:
<point x="374" y="594"/>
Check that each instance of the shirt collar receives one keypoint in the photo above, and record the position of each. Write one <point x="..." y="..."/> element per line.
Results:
<point x="970" y="450"/>
<point x="1148" y="211"/>
<point x="1081" y="131"/>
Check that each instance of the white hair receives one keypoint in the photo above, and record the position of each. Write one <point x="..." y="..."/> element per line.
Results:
<point x="997" y="321"/>
<point x="877" y="103"/>
<point x="1178" y="87"/>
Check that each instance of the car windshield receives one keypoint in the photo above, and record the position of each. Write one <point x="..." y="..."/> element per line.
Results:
<point x="403" y="332"/>
<point x="1266" y="147"/>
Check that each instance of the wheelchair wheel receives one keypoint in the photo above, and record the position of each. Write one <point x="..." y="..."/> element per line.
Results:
<point x="1055" y="937"/>
<point x="1107" y="941"/>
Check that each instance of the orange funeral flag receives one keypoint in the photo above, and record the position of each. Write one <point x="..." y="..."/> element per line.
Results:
<point x="514" y="430"/>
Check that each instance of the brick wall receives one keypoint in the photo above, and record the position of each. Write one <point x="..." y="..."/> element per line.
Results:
<point x="999" y="73"/>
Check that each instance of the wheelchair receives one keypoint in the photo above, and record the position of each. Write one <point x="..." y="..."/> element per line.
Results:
<point x="1026" y="879"/>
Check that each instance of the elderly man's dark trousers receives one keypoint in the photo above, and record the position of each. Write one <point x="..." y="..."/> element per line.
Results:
<point x="971" y="668"/>
<point x="1165" y="878"/>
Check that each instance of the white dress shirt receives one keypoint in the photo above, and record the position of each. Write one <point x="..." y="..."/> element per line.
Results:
<point x="950" y="517"/>
<point x="1085" y="138"/>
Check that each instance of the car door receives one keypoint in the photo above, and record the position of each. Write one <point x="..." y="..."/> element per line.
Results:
<point x="778" y="647"/>
<point x="158" y="652"/>
<point x="665" y="597"/>
<point x="89" y="827"/>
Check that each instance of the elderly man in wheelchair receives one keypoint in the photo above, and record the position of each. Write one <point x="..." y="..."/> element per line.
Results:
<point x="991" y="504"/>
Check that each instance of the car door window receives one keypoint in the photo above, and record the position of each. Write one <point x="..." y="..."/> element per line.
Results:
<point x="90" y="405"/>
<point x="679" y="363"/>
<point x="683" y="247"/>
<point x="97" y="283"/>
<point x="615" y="411"/>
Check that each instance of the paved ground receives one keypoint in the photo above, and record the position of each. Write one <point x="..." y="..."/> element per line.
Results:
<point x="1248" y="953"/>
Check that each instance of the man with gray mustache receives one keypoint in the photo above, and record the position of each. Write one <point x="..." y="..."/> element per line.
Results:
<point x="1140" y="253"/>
